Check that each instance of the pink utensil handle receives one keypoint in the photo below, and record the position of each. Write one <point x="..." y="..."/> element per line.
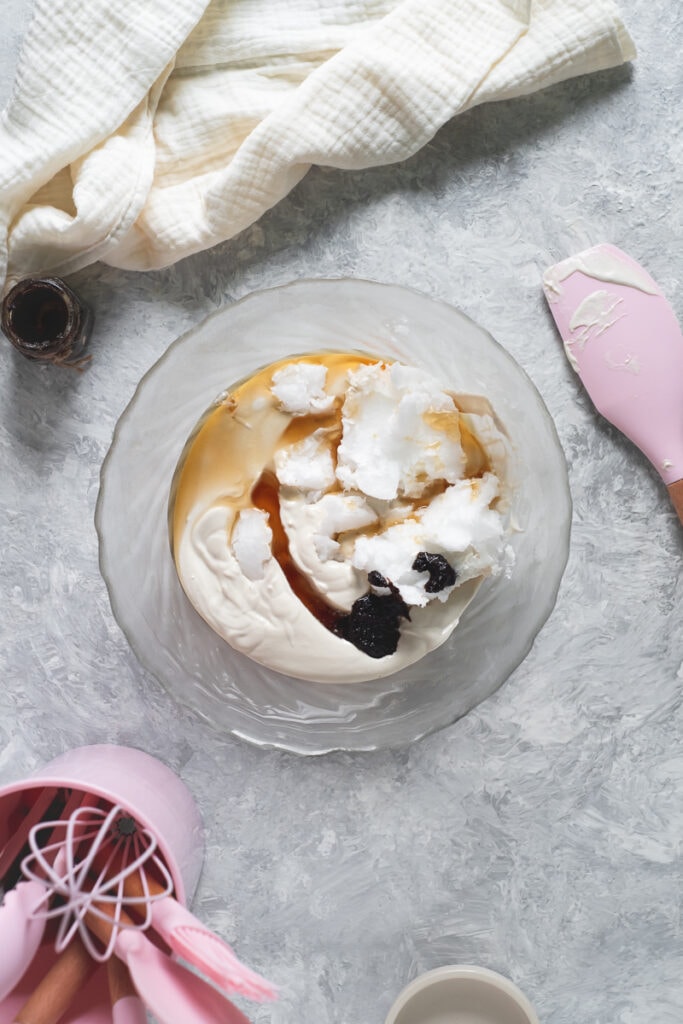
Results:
<point x="20" y="934"/>
<point x="129" y="1010"/>
<point x="169" y="991"/>
<point x="126" y="1005"/>
<point x="190" y="939"/>
<point x="21" y="930"/>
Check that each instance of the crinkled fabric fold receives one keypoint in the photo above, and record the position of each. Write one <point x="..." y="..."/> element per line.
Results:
<point x="141" y="132"/>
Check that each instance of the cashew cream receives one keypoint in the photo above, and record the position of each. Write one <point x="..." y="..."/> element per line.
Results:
<point x="326" y="489"/>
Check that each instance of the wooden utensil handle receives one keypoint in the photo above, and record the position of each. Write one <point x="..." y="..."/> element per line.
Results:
<point x="60" y="986"/>
<point x="103" y="928"/>
<point x="676" y="494"/>
<point x="133" y="887"/>
<point x="132" y="884"/>
<point x="126" y="1005"/>
<point x="16" y="843"/>
<point x="120" y="982"/>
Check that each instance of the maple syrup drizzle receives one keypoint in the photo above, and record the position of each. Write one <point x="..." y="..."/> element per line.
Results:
<point x="266" y="496"/>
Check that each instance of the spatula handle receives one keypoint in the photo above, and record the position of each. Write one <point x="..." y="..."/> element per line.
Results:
<point x="127" y="1007"/>
<point x="60" y="986"/>
<point x="676" y="493"/>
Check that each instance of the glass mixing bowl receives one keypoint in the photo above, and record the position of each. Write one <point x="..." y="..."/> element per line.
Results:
<point x="228" y="690"/>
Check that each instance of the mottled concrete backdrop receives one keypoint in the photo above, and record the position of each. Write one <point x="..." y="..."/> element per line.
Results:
<point x="541" y="835"/>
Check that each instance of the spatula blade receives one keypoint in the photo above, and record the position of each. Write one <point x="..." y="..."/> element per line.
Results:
<point x="623" y="339"/>
<point x="170" y="991"/>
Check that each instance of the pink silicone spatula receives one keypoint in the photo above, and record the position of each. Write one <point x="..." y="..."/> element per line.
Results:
<point x="204" y="950"/>
<point x="170" y="991"/>
<point x="186" y="935"/>
<point x="126" y="1005"/>
<point x="20" y="933"/>
<point x="622" y="337"/>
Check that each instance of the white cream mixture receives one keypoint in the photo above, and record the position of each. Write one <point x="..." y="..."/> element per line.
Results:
<point x="319" y="471"/>
<point x="601" y="262"/>
<point x="591" y="318"/>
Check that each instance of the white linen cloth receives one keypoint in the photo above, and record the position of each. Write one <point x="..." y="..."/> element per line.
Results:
<point x="140" y="131"/>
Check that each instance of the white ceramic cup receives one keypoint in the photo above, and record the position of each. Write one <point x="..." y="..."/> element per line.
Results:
<point x="462" y="994"/>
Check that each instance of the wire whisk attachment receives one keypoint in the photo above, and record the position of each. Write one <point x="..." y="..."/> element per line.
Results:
<point x="84" y="867"/>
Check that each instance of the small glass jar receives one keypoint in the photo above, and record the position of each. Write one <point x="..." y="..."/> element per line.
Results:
<point x="46" y="321"/>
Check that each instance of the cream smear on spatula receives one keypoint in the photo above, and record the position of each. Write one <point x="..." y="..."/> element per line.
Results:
<point x="601" y="263"/>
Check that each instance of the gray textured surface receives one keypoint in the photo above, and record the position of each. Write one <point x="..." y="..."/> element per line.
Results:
<point x="541" y="835"/>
